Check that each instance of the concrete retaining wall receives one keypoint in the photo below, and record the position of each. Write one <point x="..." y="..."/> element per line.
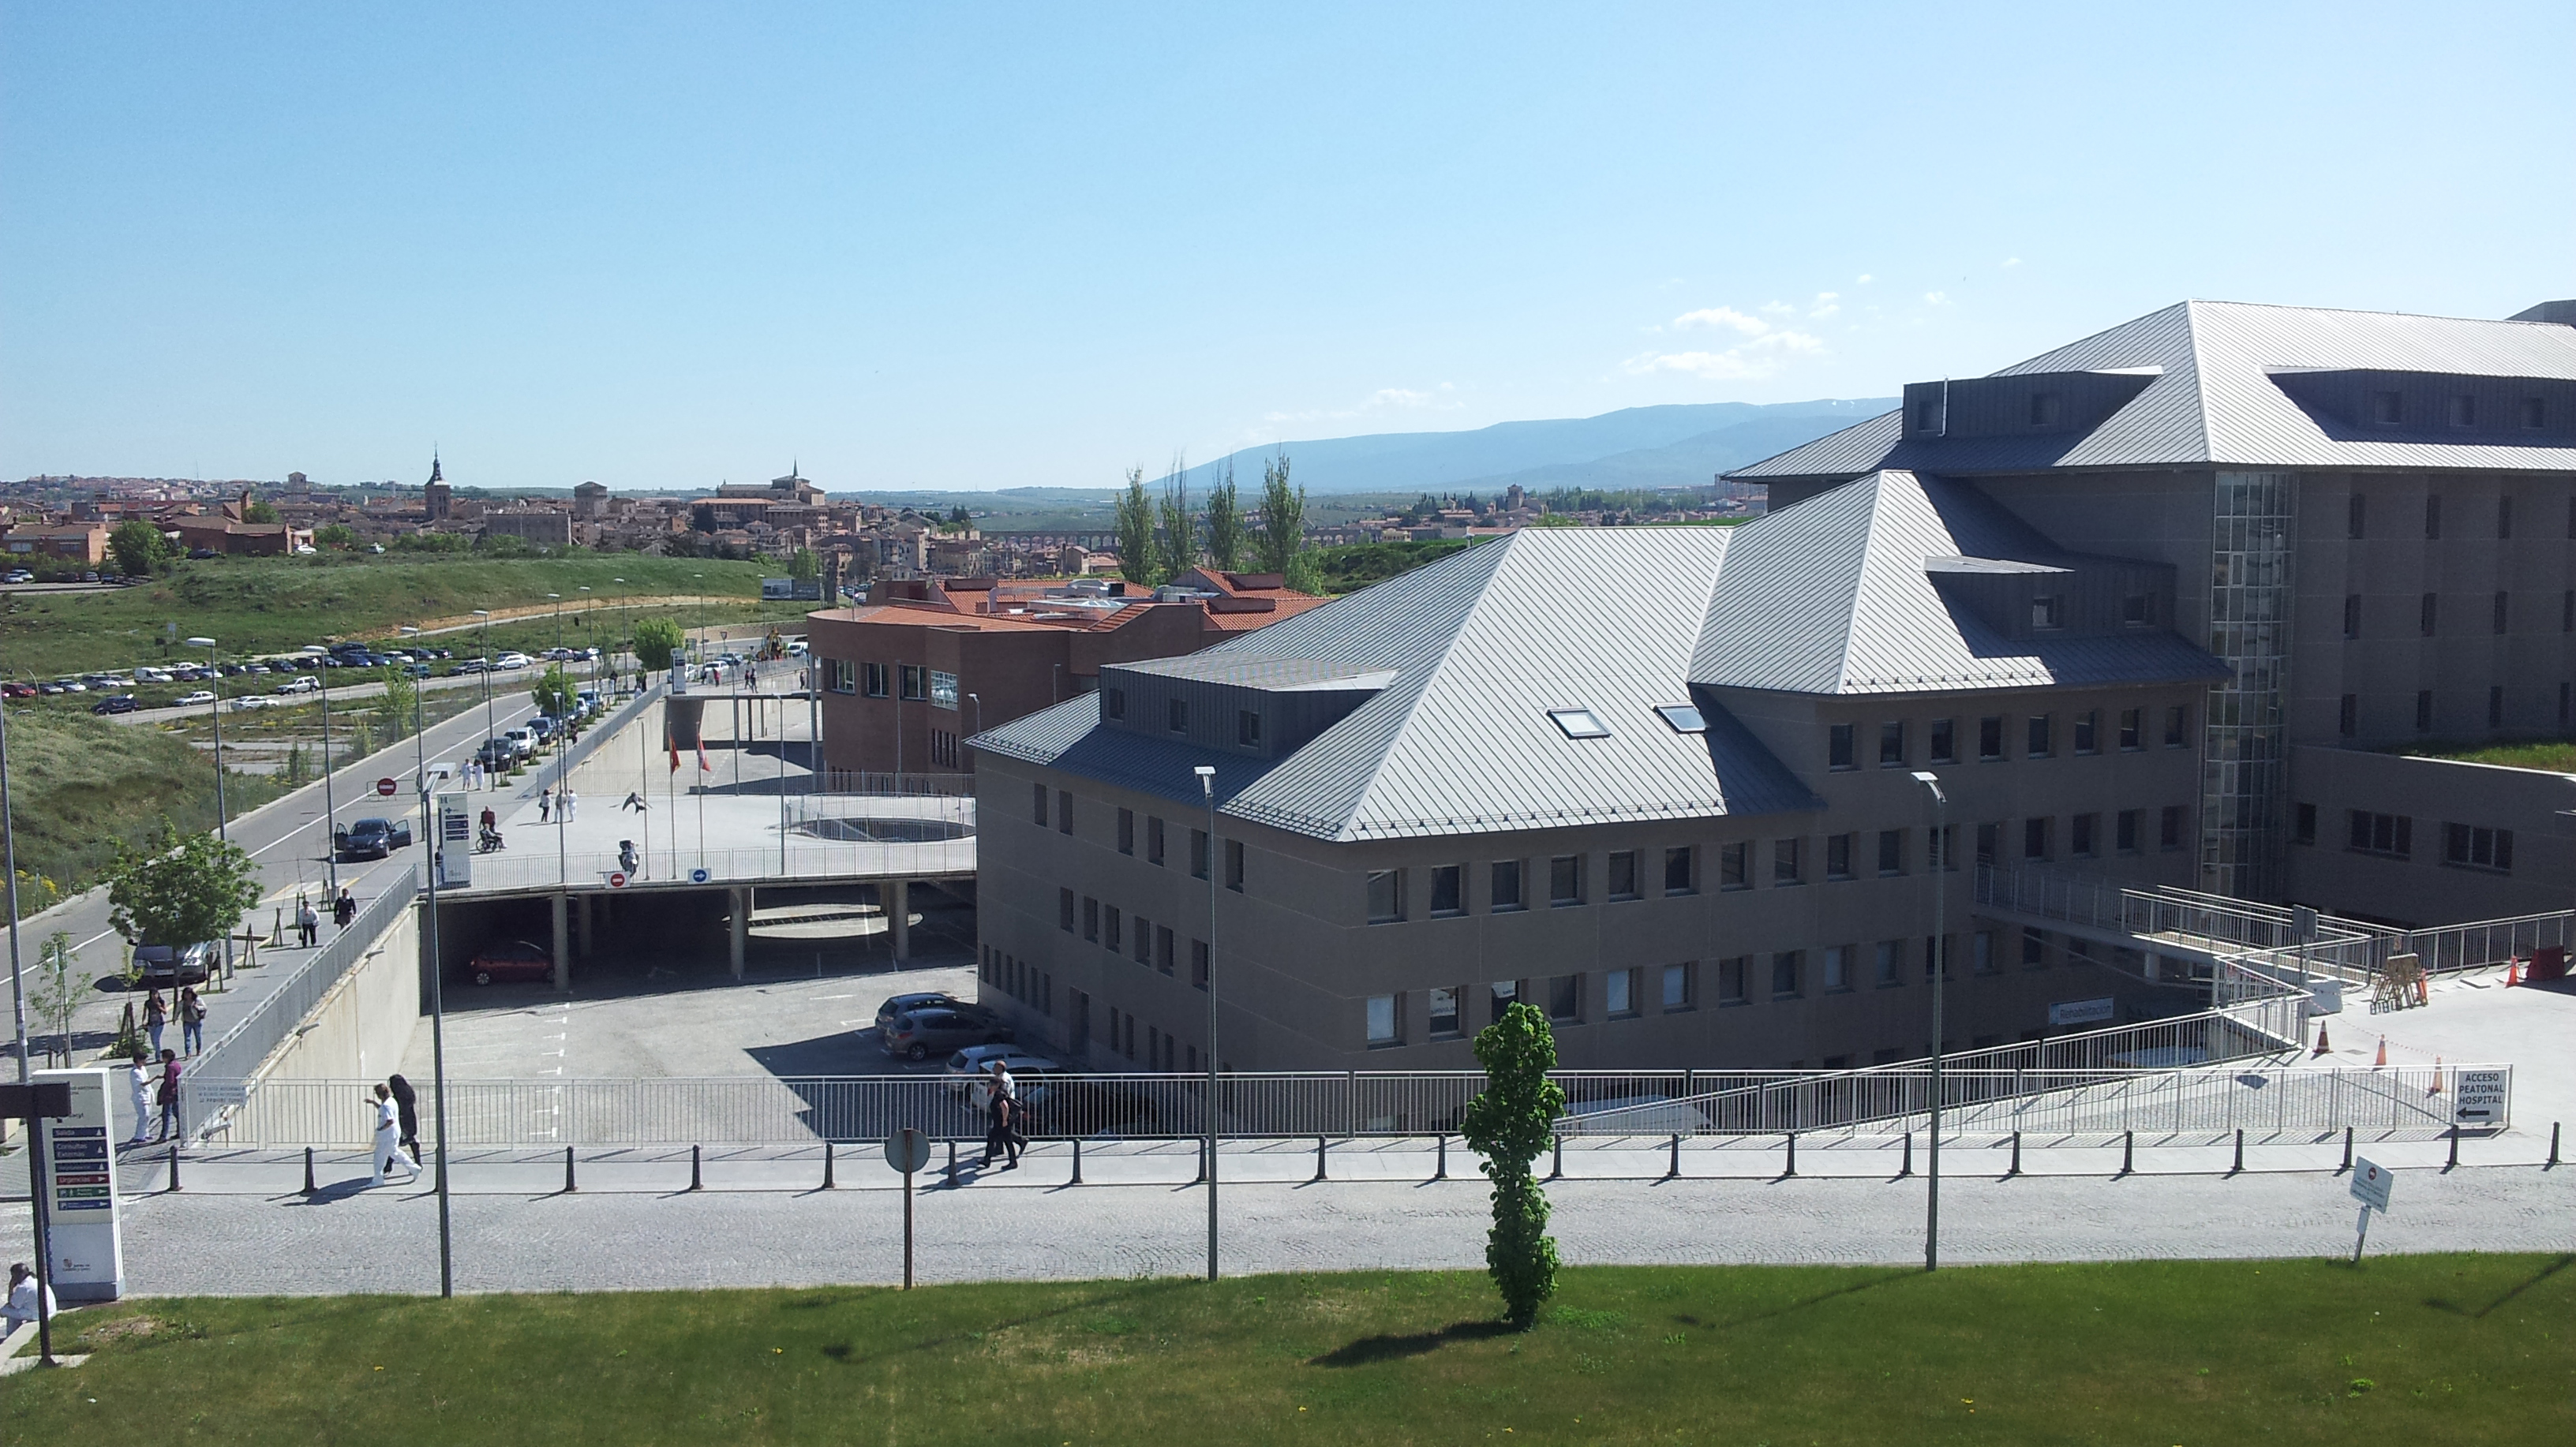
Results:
<point x="361" y="1028"/>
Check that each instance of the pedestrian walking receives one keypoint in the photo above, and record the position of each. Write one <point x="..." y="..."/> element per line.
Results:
<point x="171" y="1124"/>
<point x="21" y="1309"/>
<point x="387" y="1154"/>
<point x="568" y="802"/>
<point x="545" y="806"/>
<point x="308" y="925"/>
<point x="138" y="1083"/>
<point x="345" y="908"/>
<point x="192" y="1022"/>
<point x="156" y="1018"/>
<point x="1002" y="1135"/>
<point x="407" y="1112"/>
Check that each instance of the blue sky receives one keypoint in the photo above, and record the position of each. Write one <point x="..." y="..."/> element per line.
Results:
<point x="942" y="247"/>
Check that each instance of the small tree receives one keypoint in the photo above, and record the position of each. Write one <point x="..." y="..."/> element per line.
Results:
<point x="57" y="991"/>
<point x="554" y="692"/>
<point x="1138" y="558"/>
<point x="1180" y="547"/>
<point x="1509" y="1124"/>
<point x="180" y="889"/>
<point x="139" y="547"/>
<point x="1225" y="531"/>
<point x="402" y="696"/>
<point x="1282" y="543"/>
<point x="656" y="641"/>
<point x="804" y="566"/>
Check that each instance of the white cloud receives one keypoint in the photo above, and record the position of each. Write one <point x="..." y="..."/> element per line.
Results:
<point x="1722" y="316"/>
<point x="1827" y="303"/>
<point x="1762" y="356"/>
<point x="1864" y="278"/>
<point x="1777" y="308"/>
<point x="1937" y="298"/>
<point x="2011" y="261"/>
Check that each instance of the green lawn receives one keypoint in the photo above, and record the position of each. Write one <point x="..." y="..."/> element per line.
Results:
<point x="2406" y="1349"/>
<point x="2558" y="756"/>
<point x="80" y="786"/>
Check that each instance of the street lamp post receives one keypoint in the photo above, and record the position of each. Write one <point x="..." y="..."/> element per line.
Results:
<point x="9" y="847"/>
<point x="558" y="602"/>
<point x="1207" y="790"/>
<point x="1940" y="853"/>
<point x="588" y="632"/>
<point x="330" y="810"/>
<point x="217" y="711"/>
<point x="489" y="731"/>
<point x="437" y="1001"/>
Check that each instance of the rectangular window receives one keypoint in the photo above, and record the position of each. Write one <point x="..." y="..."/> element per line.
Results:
<point x="1730" y="979"/>
<point x="2040" y="725"/>
<point x="1990" y="843"/>
<point x="1837" y="967"/>
<point x="1198" y="854"/>
<point x="2503" y="609"/>
<point x="2433" y="517"/>
<point x="1565" y="998"/>
<point x="1891" y="745"/>
<point x="1234" y="865"/>
<point x="943" y="690"/>
<point x="2043" y="409"/>
<point x="1247" y="728"/>
<point x="1176" y="716"/>
<point x="840" y="676"/>
<point x="1153" y="840"/>
<point x="1981" y="946"/>
<point x="914" y="680"/>
<point x="1891" y="962"/>
<point x="1619" y="993"/>
<point x="1041" y="806"/>
<point x="1064" y="910"/>
<point x="2088" y="732"/>
<point x="1990" y="739"/>
<point x="1381" y="1020"/>
<point x="2034" y="946"/>
<point x="1113" y="703"/>
<point x="2387" y="408"/>
<point x="1163" y="941"/>
<point x="876" y="677"/>
<point x="1838" y="856"/>
<point x="1126" y="831"/>
<point x="2428" y="614"/>
<point x="2504" y="519"/>
<point x="1788" y="974"/>
<point x="2353" y="517"/>
<point x="2423" y="710"/>
<point x="2048" y="611"/>
<point x="2034" y="838"/>
<point x="1941" y="847"/>
<point x="2303" y="825"/>
<point x="1891" y="851"/>
<point x="2133" y="729"/>
<point x="2535" y="412"/>
<point x="1441" y="1018"/>
<point x="2352" y="615"/>
<point x="1677" y="988"/>
<point x="1091" y="919"/>
<point x="1507" y="885"/>
<point x="2178" y="726"/>
<point x="1735" y="865"/>
<point x="1623" y="874"/>
<point x="2348" y="715"/>
<point x="2080" y="830"/>
<point x="1565" y="880"/>
<point x="1448" y="890"/>
<point x="2138" y="610"/>
<point x="2389" y="834"/>
<point x="2567" y="611"/>
<point x="1385" y="896"/>
<point x="1198" y="964"/>
<point x="1109" y="937"/>
<point x="1945" y="741"/>
<point x="1506" y="993"/>
<point x="1839" y="750"/>
<point x="1144" y="942"/>
<point x="2475" y="847"/>
<point x="2464" y="410"/>
<point x="1784" y="861"/>
<point x="2495" y="706"/>
<point x="2169" y="827"/>
<point x="2125" y="831"/>
<point x="1680" y="876"/>
<point x="1063" y="812"/>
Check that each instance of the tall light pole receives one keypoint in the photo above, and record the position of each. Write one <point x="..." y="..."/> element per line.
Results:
<point x="221" y="831"/>
<point x="1940" y="854"/>
<point x="588" y="632"/>
<point x="430" y="831"/>
<point x="701" y="580"/>
<point x="330" y="810"/>
<point x="489" y="731"/>
<point x="1207" y="790"/>
<point x="9" y="846"/>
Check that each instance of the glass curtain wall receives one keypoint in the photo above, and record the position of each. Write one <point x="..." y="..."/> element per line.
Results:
<point x="2245" y="755"/>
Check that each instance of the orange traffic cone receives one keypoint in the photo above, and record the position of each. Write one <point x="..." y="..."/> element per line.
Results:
<point x="2513" y="972"/>
<point x="2437" y="1076"/>
<point x="2383" y="1051"/>
<point x="2423" y="989"/>
<point x="2322" y="1047"/>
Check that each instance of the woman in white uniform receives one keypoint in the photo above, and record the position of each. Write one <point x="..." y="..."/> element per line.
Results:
<point x="388" y="1148"/>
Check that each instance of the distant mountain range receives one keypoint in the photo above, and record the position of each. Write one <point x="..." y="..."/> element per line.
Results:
<point x="1635" y="447"/>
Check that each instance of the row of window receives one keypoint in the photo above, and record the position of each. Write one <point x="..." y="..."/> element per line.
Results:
<point x="911" y="682"/>
<point x="2084" y="735"/>
<point x="1062" y="814"/>
<point x="2464" y="846"/>
<point x="1036" y="989"/>
<point x="2428" y="614"/>
<point x="2357" y="513"/>
<point x="1103" y="925"/>
<point x="2348" y="709"/>
<point x="1019" y="979"/>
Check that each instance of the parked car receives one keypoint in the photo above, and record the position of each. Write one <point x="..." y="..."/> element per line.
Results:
<point x="201" y="554"/>
<point x="197" y="698"/>
<point x="165" y="967"/>
<point x="248" y="701"/>
<point x="18" y="575"/>
<point x="471" y="665"/>
<point x="114" y="703"/>
<point x="416" y="670"/>
<point x="1063" y="1106"/>
<point x="937" y="1030"/>
<point x="523" y="739"/>
<point x="371" y="838"/>
<point x="306" y="684"/>
<point x="511" y="660"/>
<point x="967" y="1065"/>
<point x="497" y="753"/>
<point x="153" y="675"/>
<point x="17" y="690"/>
<point x="512" y="960"/>
<point x="897" y="1004"/>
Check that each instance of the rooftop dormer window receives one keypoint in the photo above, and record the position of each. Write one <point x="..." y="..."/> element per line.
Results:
<point x="2464" y="411"/>
<point x="2387" y="409"/>
<point x="2048" y="610"/>
<point x="1579" y="723"/>
<point x="1179" y="716"/>
<point x="2043" y="409"/>
<point x="2535" y="413"/>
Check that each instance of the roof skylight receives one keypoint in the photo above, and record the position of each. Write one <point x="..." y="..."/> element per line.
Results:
<point x="1683" y="718"/>
<point x="1579" y="723"/>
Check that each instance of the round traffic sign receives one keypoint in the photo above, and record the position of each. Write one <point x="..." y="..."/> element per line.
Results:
<point x="386" y="787"/>
<point x="617" y="879"/>
<point x="907" y="1150"/>
<point x="699" y="876"/>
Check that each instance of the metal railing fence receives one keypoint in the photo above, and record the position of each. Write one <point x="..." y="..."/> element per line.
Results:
<point x="536" y="867"/>
<point x="594" y="737"/>
<point x="238" y="1053"/>
<point x="2448" y="948"/>
<point x="800" y="1111"/>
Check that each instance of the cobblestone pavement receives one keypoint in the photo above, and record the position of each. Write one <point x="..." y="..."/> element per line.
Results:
<point x="636" y="1233"/>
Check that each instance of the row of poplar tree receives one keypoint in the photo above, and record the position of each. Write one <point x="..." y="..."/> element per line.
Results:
<point x="1160" y="538"/>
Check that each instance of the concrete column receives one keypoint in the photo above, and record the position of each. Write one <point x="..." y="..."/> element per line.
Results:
<point x="563" y="943"/>
<point x="741" y="930"/>
<point x="898" y="902"/>
<point x="583" y="919"/>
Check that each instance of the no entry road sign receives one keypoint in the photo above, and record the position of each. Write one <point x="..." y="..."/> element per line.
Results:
<point x="385" y="787"/>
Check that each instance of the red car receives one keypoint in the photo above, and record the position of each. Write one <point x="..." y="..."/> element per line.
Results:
<point x="513" y="960"/>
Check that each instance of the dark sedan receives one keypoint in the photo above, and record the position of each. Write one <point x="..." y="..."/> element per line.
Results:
<point x="114" y="703"/>
<point x="372" y="838"/>
<point x="920" y="999"/>
<point x="165" y="967"/>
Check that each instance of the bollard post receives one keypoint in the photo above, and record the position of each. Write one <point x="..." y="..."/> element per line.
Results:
<point x="1907" y="1168"/>
<point x="695" y="1180"/>
<point x="2015" y="1169"/>
<point x="309" y="1188"/>
<point x="827" y="1166"/>
<point x="1556" y="1159"/>
<point x="952" y="1160"/>
<point x="1673" y="1171"/>
<point x="2128" y="1151"/>
<point x="1202" y="1154"/>
<point x="2451" y="1164"/>
<point x="1077" y="1162"/>
<point x="2239" y="1167"/>
<point x="2553" y="1145"/>
<point x="174" y="1164"/>
<point x="1319" y="1160"/>
<point x="2347" y="1152"/>
<point x="1793" y="1157"/>
<point x="1441" y="1171"/>
<point x="569" y="1187"/>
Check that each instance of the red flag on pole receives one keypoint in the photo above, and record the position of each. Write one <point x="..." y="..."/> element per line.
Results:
<point x="675" y="756"/>
<point x="703" y="766"/>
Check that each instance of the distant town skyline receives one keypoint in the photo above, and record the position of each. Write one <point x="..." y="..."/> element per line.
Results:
<point x="971" y="252"/>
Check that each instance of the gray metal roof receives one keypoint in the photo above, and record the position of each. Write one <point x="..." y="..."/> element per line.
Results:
<point x="1835" y="596"/>
<point x="1277" y="674"/>
<point x="2214" y="398"/>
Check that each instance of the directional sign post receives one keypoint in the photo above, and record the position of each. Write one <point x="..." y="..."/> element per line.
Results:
<point x="907" y="1150"/>
<point x="2370" y="1186"/>
<point x="2479" y="1098"/>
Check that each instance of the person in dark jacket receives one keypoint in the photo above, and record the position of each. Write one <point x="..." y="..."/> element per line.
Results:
<point x="407" y="1110"/>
